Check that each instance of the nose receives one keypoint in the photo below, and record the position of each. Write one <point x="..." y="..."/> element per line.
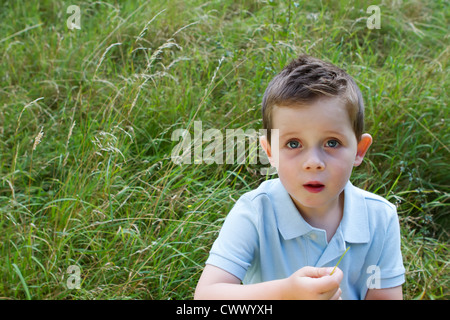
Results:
<point x="313" y="161"/>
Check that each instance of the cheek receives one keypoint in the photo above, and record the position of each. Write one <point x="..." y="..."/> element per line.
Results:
<point x="285" y="161"/>
<point x="287" y="169"/>
<point x="341" y="168"/>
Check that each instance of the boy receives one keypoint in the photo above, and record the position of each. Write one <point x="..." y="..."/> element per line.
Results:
<point x="283" y="239"/>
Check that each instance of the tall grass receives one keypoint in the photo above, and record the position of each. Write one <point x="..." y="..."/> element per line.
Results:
<point x="86" y="118"/>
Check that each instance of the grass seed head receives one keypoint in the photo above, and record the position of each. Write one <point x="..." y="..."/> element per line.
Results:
<point x="38" y="138"/>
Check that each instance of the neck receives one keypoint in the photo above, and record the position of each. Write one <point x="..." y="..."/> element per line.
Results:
<point x="327" y="218"/>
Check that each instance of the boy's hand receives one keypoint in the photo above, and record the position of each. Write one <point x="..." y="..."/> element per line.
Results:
<point x="313" y="284"/>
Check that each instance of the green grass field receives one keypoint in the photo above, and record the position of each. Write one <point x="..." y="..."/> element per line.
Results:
<point x="87" y="116"/>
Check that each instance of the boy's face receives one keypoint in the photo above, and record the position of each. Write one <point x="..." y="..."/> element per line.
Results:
<point x="317" y="151"/>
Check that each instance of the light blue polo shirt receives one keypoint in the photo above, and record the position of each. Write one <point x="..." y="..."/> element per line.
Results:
<point x="264" y="238"/>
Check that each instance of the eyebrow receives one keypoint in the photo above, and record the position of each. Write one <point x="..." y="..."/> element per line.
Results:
<point x="328" y="132"/>
<point x="333" y="132"/>
<point x="288" y="134"/>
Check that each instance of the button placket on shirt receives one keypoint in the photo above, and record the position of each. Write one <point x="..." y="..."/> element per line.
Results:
<point x="319" y="237"/>
<point x="316" y="239"/>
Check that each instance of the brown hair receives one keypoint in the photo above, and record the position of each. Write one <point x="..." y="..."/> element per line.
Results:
<point x="305" y="80"/>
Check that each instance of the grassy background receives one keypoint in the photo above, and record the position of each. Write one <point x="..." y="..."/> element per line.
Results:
<point x="100" y="190"/>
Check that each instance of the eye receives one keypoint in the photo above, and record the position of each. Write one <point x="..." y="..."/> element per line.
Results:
<point x="332" y="143"/>
<point x="293" y="144"/>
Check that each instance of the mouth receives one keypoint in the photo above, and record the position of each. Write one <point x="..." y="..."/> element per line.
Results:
<point x="314" y="186"/>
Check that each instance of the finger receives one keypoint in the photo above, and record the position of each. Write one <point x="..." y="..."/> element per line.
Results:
<point x="337" y="295"/>
<point x="329" y="284"/>
<point x="313" y="272"/>
<point x="331" y="294"/>
<point x="337" y="275"/>
<point x="325" y="286"/>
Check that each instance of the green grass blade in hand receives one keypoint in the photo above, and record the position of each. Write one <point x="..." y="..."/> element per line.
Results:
<point x="339" y="261"/>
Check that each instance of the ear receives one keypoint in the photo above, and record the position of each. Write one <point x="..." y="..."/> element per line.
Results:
<point x="273" y="158"/>
<point x="363" y="146"/>
<point x="272" y="149"/>
<point x="266" y="147"/>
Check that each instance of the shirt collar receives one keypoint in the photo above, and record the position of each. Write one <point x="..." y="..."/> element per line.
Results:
<point x="289" y="221"/>
<point x="355" y="221"/>
<point x="354" y="224"/>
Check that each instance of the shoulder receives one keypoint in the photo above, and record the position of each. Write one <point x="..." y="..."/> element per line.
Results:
<point x="266" y="188"/>
<point x="376" y="201"/>
<point x="379" y="210"/>
<point x="257" y="203"/>
<point x="264" y="195"/>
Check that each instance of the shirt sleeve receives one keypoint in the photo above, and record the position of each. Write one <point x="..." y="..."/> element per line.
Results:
<point x="237" y="243"/>
<point x="389" y="268"/>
